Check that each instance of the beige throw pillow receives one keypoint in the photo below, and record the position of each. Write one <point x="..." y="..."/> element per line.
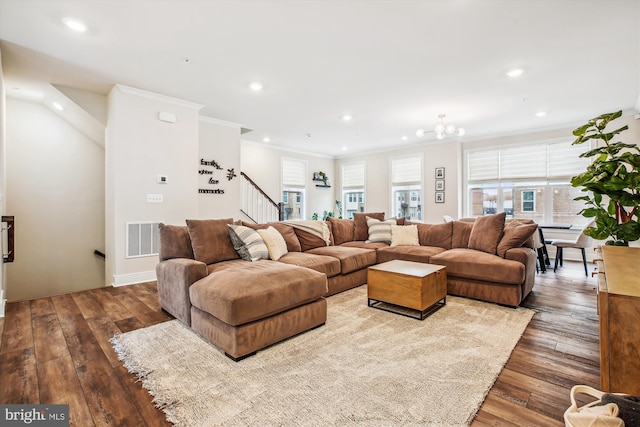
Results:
<point x="379" y="231"/>
<point x="404" y="235"/>
<point x="276" y="246"/>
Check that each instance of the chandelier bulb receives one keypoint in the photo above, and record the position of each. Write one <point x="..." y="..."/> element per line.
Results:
<point x="420" y="133"/>
<point x="450" y="129"/>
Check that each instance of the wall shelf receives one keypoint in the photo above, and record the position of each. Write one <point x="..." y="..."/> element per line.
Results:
<point x="323" y="186"/>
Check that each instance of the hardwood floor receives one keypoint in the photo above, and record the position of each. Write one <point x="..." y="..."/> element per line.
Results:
<point x="56" y="350"/>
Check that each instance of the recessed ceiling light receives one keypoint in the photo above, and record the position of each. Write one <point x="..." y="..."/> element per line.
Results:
<point x="516" y="72"/>
<point x="75" y="24"/>
<point x="347" y="117"/>
<point x="256" y="86"/>
<point x="344" y="148"/>
<point x="404" y="137"/>
<point x="57" y="106"/>
<point x="541" y="113"/>
<point x="266" y="139"/>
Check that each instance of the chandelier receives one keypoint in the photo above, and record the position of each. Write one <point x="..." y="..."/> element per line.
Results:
<point x="442" y="130"/>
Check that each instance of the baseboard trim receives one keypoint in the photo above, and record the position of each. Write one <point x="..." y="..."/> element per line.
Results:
<point x="133" y="278"/>
<point x="2" y="302"/>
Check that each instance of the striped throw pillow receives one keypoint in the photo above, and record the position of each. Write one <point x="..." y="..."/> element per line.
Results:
<point x="379" y="231"/>
<point x="248" y="243"/>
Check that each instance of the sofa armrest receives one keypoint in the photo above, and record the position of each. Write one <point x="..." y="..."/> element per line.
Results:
<point x="526" y="256"/>
<point x="175" y="276"/>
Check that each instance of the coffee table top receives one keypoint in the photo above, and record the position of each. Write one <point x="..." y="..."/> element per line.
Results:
<point x="409" y="268"/>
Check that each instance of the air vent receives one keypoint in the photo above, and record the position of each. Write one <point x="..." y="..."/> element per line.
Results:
<point x="143" y="239"/>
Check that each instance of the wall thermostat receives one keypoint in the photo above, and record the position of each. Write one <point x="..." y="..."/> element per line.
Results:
<point x="162" y="179"/>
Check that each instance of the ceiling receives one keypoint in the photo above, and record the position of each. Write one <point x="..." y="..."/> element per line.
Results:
<point x="394" y="66"/>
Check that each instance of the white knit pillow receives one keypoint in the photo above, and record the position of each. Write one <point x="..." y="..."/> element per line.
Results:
<point x="247" y="243"/>
<point x="404" y="235"/>
<point x="276" y="245"/>
<point x="379" y="231"/>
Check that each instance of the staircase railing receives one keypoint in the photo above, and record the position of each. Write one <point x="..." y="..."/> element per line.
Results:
<point x="256" y="205"/>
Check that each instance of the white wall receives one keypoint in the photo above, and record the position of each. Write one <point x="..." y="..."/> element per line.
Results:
<point x="55" y="189"/>
<point x="139" y="147"/>
<point x="262" y="164"/>
<point x="378" y="186"/>
<point x="3" y="180"/>
<point x="220" y="142"/>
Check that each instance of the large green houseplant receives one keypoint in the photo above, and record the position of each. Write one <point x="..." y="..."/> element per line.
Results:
<point x="611" y="181"/>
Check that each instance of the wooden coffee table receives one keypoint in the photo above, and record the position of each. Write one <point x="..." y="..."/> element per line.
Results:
<point x="409" y="288"/>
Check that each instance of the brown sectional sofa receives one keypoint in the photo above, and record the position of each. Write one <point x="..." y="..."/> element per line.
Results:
<point x="242" y="306"/>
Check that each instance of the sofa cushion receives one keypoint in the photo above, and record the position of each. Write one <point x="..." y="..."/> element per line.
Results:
<point x="435" y="235"/>
<point x="245" y="292"/>
<point x="487" y="232"/>
<point x="210" y="240"/>
<point x="324" y="264"/>
<point x="308" y="240"/>
<point x="361" y="229"/>
<point x="293" y="244"/>
<point x="364" y="244"/>
<point x="174" y="242"/>
<point x="379" y="231"/>
<point x="515" y="235"/>
<point x="248" y="243"/>
<point x="342" y="230"/>
<point x="276" y="246"/>
<point x="478" y="265"/>
<point x="404" y="235"/>
<point x="351" y="259"/>
<point x="407" y="253"/>
<point x="460" y="234"/>
<point x="529" y="243"/>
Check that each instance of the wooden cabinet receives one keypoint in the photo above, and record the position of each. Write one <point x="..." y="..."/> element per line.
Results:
<point x="619" y="318"/>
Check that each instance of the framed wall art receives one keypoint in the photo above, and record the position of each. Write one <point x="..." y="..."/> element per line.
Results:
<point x="439" y="184"/>
<point x="439" y="196"/>
<point x="439" y="173"/>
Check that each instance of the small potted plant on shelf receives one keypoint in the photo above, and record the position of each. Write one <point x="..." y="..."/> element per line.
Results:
<point x="611" y="181"/>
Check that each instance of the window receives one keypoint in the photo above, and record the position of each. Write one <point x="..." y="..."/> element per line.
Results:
<point x="526" y="181"/>
<point x="352" y="188"/>
<point x="406" y="187"/>
<point x="294" y="172"/>
<point x="528" y="200"/>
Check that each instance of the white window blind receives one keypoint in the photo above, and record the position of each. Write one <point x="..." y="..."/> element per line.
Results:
<point x="293" y="172"/>
<point x="565" y="160"/>
<point x="541" y="160"/>
<point x="406" y="170"/>
<point x="483" y="165"/>
<point x="353" y="175"/>
<point x="528" y="161"/>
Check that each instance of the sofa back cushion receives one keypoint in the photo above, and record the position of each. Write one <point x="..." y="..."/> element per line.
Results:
<point x="461" y="233"/>
<point x="438" y="235"/>
<point x="342" y="230"/>
<point x="516" y="234"/>
<point x="210" y="240"/>
<point x="174" y="242"/>
<point x="361" y="229"/>
<point x="308" y="240"/>
<point x="290" y="237"/>
<point x="487" y="232"/>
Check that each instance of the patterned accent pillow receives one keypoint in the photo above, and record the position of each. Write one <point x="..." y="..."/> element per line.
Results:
<point x="379" y="231"/>
<point x="276" y="245"/>
<point x="404" y="235"/>
<point x="247" y="243"/>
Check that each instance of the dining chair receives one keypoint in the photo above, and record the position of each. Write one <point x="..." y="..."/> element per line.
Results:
<point x="581" y="242"/>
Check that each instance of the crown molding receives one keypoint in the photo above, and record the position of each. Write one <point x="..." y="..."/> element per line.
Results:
<point x="157" y="97"/>
<point x="286" y="149"/>
<point x="215" y="121"/>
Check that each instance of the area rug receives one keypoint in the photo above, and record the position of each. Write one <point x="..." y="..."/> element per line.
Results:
<point x="363" y="367"/>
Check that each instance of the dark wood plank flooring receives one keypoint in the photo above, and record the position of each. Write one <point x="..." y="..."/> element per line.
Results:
<point x="56" y="350"/>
